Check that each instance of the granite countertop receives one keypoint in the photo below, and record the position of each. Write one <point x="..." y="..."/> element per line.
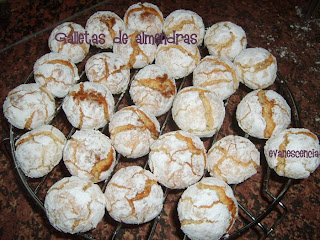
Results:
<point x="279" y="26"/>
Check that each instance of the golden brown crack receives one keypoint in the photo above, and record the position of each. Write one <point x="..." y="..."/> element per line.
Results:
<point x="221" y="46"/>
<point x="179" y="26"/>
<point x="31" y="137"/>
<point x="62" y="62"/>
<point x="92" y="96"/>
<point x="109" y="22"/>
<point x="195" y="56"/>
<point x="162" y="84"/>
<point x="267" y="113"/>
<point x="136" y="50"/>
<point x="223" y="198"/>
<point x="218" y="70"/>
<point x="102" y="165"/>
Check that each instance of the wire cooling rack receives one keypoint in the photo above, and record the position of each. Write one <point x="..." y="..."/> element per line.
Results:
<point x="262" y="221"/>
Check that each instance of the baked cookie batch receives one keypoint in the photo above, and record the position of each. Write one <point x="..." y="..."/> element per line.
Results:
<point x="167" y="51"/>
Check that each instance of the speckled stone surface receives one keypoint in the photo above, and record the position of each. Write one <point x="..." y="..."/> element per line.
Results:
<point x="278" y="26"/>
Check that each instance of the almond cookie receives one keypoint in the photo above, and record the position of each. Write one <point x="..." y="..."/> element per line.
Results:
<point x="256" y="67"/>
<point x="207" y="209"/>
<point x="133" y="130"/>
<point x="186" y="23"/>
<point x="133" y="196"/>
<point x="65" y="39"/>
<point x="56" y="73"/>
<point x="153" y="89"/>
<point x="103" y="27"/>
<point x="216" y="74"/>
<point x="225" y="39"/>
<point x="74" y="205"/>
<point x="263" y="113"/>
<point x="39" y="150"/>
<point x="89" y="154"/>
<point x="179" y="59"/>
<point x="177" y="159"/>
<point x="136" y="54"/>
<point x="233" y="159"/>
<point x="88" y="105"/>
<point x="293" y="153"/>
<point x="29" y="106"/>
<point x="145" y="17"/>
<point x="198" y="111"/>
<point x="110" y="69"/>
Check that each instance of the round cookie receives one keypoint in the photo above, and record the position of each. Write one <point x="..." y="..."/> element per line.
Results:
<point x="90" y="155"/>
<point x="65" y="39"/>
<point x="216" y="74"/>
<point x="88" y="105"/>
<point x="256" y="67"/>
<point x="179" y="59"/>
<point x="135" y="53"/>
<point x="132" y="131"/>
<point x="103" y="27"/>
<point x="225" y="39"/>
<point x="293" y="153"/>
<point x="263" y="113"/>
<point x="207" y="209"/>
<point x="233" y="159"/>
<point x="198" y="111"/>
<point x="177" y="159"/>
<point x="56" y="73"/>
<point x="29" y="106"/>
<point x="153" y="89"/>
<point x="109" y="69"/>
<point x="145" y="17"/>
<point x="133" y="196"/>
<point x="74" y="205"/>
<point x="185" y="22"/>
<point x="39" y="150"/>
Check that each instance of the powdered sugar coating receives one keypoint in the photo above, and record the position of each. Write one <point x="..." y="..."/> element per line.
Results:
<point x="207" y="209"/>
<point x="136" y="55"/>
<point x="103" y="27"/>
<point x="256" y="67"/>
<point x="132" y="131"/>
<point x="65" y="39"/>
<point x="29" y="106"/>
<point x="145" y="17"/>
<point x="74" y="205"/>
<point x="179" y="59"/>
<point x="88" y="105"/>
<point x="225" y="39"/>
<point x="110" y="69"/>
<point x="233" y="159"/>
<point x="56" y="73"/>
<point x="184" y="22"/>
<point x="153" y="89"/>
<point x="90" y="155"/>
<point x="177" y="159"/>
<point x="39" y="150"/>
<point x="293" y="153"/>
<point x="263" y="113"/>
<point x="216" y="74"/>
<point x="198" y="111"/>
<point x="133" y="196"/>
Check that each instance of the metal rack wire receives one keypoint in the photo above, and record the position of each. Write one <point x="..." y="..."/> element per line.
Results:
<point x="250" y="219"/>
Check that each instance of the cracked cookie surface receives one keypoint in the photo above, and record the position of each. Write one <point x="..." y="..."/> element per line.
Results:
<point x="133" y="196"/>
<point x="233" y="159"/>
<point x="177" y="159"/>
<point x="207" y="209"/>
<point x="74" y="205"/>
<point x="293" y="153"/>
